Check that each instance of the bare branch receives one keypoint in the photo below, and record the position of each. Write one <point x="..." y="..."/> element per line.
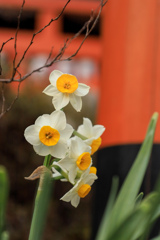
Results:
<point x="5" y="43"/>
<point x="92" y="21"/>
<point x="3" y="110"/>
<point x="41" y="30"/>
<point x="87" y="27"/>
<point x="1" y="51"/>
<point x="49" y="56"/>
<point x="15" y="41"/>
<point x="3" y="98"/>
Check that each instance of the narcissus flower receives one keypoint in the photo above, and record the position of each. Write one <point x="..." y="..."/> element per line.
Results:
<point x="92" y="133"/>
<point x="64" y="88"/>
<point x="77" y="158"/>
<point x="80" y="189"/>
<point x="49" y="134"/>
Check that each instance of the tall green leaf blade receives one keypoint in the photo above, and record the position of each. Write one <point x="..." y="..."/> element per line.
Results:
<point x="156" y="238"/>
<point x="4" y="190"/>
<point x="126" y="199"/>
<point x="41" y="205"/>
<point x="139" y="222"/>
<point x="110" y="204"/>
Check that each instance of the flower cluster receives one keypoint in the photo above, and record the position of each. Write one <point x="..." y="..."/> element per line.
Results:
<point x="71" y="150"/>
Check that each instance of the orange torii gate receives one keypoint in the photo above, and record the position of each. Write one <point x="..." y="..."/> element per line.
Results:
<point x="130" y="80"/>
<point x="129" y="92"/>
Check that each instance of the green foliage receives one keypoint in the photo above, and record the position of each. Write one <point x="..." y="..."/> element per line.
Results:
<point x="41" y="205"/>
<point x="4" y="189"/>
<point x="157" y="238"/>
<point x="5" y="236"/>
<point x="129" y="217"/>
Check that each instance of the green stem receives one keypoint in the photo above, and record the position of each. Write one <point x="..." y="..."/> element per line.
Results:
<point x="75" y="133"/>
<point x="64" y="175"/>
<point x="41" y="204"/>
<point x="47" y="161"/>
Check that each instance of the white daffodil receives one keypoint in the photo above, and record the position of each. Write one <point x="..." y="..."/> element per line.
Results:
<point x="64" y="88"/>
<point x="92" y="133"/>
<point x="77" y="158"/>
<point x="49" y="134"/>
<point x="80" y="189"/>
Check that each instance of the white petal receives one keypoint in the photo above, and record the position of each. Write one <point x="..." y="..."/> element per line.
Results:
<point x="76" y="102"/>
<point x="56" y="173"/>
<point x="90" y="178"/>
<point x="42" y="149"/>
<point x="77" y="147"/>
<point x="65" y="163"/>
<point x="63" y="180"/>
<point x="68" y="196"/>
<point x="59" y="150"/>
<point x="50" y="90"/>
<point x="75" y="200"/>
<point x="54" y="76"/>
<point x="89" y="141"/>
<point x="43" y="120"/>
<point x="72" y="173"/>
<point x="67" y="132"/>
<point x="32" y="134"/>
<point x="82" y="90"/>
<point x="60" y="101"/>
<point x="58" y="120"/>
<point x="86" y="128"/>
<point x="98" y="130"/>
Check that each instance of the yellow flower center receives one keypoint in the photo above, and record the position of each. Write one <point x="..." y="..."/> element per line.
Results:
<point x="84" y="190"/>
<point x="83" y="161"/>
<point x="49" y="136"/>
<point x="95" y="145"/>
<point x="67" y="83"/>
<point x="93" y="170"/>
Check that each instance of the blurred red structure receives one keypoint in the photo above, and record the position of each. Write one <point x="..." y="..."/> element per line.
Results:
<point x="130" y="83"/>
<point x="36" y="14"/>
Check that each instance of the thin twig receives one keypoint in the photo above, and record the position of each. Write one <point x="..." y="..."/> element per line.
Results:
<point x="1" y="51"/>
<point x="41" y="30"/>
<point x="87" y="27"/>
<point x="3" y="98"/>
<point x="15" y="40"/>
<point x="5" y="43"/>
<point x="4" y="111"/>
<point x="49" y="56"/>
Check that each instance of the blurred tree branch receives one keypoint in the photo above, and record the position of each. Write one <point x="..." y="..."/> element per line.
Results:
<point x="18" y="77"/>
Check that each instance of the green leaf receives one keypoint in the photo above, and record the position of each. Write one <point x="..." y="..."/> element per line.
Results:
<point x="41" y="205"/>
<point x="139" y="198"/>
<point x="126" y="199"/>
<point x="4" y="190"/>
<point x="110" y="203"/>
<point x="156" y="238"/>
<point x="139" y="221"/>
<point x="5" y="235"/>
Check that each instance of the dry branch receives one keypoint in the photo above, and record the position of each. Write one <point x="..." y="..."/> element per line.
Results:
<point x="87" y="27"/>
